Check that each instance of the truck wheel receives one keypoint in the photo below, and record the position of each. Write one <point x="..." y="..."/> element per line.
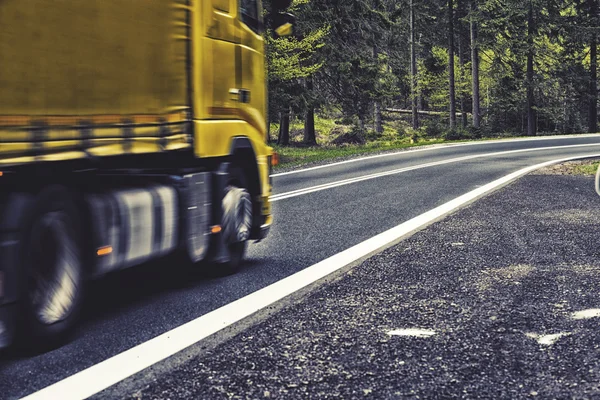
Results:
<point x="237" y="221"/>
<point x="51" y="268"/>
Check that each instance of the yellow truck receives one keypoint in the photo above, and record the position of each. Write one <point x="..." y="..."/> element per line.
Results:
<point x="129" y="130"/>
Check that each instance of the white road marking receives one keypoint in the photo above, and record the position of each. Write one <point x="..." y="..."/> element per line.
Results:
<point x="121" y="366"/>
<point x="598" y="181"/>
<point x="413" y="332"/>
<point x="547" y="340"/>
<point x="586" y="314"/>
<point x="331" y="185"/>
<point x="434" y="147"/>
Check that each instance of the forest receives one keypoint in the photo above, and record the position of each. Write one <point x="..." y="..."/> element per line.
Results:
<point x="408" y="70"/>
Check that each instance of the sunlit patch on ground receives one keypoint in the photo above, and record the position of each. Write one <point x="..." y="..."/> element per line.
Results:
<point x="512" y="274"/>
<point x="570" y="216"/>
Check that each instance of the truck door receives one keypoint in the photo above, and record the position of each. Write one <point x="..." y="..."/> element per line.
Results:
<point x="251" y="90"/>
<point x="220" y="60"/>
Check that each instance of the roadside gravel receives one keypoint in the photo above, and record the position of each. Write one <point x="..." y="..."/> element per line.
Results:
<point x="505" y="293"/>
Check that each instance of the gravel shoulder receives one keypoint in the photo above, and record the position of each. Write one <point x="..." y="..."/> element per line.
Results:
<point x="499" y="300"/>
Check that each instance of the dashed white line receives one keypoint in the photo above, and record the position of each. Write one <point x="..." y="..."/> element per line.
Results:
<point x="121" y="366"/>
<point x="586" y="314"/>
<point x="547" y="340"/>
<point x="331" y="185"/>
<point x="434" y="147"/>
<point x="412" y="332"/>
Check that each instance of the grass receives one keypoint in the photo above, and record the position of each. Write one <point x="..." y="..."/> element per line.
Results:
<point x="397" y="135"/>
<point x="588" y="168"/>
<point x="325" y="128"/>
<point x="292" y="156"/>
<point x="578" y="167"/>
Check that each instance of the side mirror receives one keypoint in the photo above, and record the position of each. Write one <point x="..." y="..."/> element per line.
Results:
<point x="280" y="5"/>
<point x="283" y="24"/>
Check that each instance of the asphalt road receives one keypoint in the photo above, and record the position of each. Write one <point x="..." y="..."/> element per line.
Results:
<point x="132" y="307"/>
<point x="498" y="301"/>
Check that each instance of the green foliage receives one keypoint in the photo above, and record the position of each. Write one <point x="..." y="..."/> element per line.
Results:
<point x="298" y="155"/>
<point x="589" y="168"/>
<point x="356" y="55"/>
<point x="458" y="134"/>
<point x="416" y="135"/>
<point x="435" y="128"/>
<point x="291" y="58"/>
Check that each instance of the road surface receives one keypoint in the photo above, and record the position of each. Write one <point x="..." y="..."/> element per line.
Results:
<point x="497" y="301"/>
<point x="319" y="212"/>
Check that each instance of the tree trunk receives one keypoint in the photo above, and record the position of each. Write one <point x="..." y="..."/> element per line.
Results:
<point x="451" y="64"/>
<point x="310" y="136"/>
<point x="461" y="57"/>
<point x="361" y="125"/>
<point x="284" y="129"/>
<point x="475" y="66"/>
<point x="531" y="117"/>
<point x="413" y="68"/>
<point x="378" y="118"/>
<point x="593" y="109"/>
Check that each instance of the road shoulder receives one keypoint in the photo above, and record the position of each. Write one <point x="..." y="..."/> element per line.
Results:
<point x="495" y="301"/>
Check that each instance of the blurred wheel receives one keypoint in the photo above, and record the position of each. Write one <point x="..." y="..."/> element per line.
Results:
<point x="236" y="222"/>
<point x="52" y="267"/>
<point x="237" y="215"/>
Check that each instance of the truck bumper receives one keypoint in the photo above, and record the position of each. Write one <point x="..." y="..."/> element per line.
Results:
<point x="7" y="324"/>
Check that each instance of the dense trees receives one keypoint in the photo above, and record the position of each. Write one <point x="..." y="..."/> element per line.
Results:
<point x="503" y="66"/>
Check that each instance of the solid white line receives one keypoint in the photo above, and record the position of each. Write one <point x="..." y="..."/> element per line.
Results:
<point x="330" y="185"/>
<point x="598" y="181"/>
<point x="435" y="147"/>
<point x="414" y="332"/>
<point x="113" y="370"/>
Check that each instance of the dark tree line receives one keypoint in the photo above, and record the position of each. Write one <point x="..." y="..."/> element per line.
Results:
<point x="493" y="66"/>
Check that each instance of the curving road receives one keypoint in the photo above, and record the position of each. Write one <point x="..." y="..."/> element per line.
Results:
<point x="319" y="212"/>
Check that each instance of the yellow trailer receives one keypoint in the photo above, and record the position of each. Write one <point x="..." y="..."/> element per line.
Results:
<point x="93" y="78"/>
<point x="129" y="130"/>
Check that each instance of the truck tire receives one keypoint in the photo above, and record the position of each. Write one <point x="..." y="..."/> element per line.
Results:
<point x="51" y="269"/>
<point x="236" y="223"/>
